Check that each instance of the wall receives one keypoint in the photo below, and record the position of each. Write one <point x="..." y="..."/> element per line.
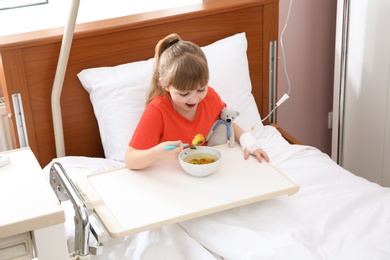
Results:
<point x="309" y="41"/>
<point x="55" y="13"/>
<point x="361" y="135"/>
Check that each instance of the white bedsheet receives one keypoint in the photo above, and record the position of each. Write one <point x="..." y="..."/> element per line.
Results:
<point x="335" y="215"/>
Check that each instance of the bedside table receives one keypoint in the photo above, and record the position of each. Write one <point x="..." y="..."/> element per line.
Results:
<point x="28" y="204"/>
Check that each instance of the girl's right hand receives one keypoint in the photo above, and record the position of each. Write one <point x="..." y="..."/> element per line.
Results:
<point x="171" y="153"/>
<point x="136" y="159"/>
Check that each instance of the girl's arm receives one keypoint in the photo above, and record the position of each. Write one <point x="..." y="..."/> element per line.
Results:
<point x="249" y="144"/>
<point x="138" y="159"/>
<point x="238" y="131"/>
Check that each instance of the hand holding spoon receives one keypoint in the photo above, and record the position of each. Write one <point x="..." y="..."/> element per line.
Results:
<point x="198" y="140"/>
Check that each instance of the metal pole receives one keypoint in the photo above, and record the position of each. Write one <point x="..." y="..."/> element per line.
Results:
<point x="59" y="79"/>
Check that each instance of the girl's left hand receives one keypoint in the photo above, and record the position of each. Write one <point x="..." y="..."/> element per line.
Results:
<point x="259" y="153"/>
<point x="250" y="145"/>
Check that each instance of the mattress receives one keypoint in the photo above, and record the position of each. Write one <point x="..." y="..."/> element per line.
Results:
<point x="335" y="215"/>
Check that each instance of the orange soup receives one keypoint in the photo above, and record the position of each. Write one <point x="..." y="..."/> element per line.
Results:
<point x="200" y="158"/>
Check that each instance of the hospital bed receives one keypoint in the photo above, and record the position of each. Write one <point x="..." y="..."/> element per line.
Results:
<point x="334" y="215"/>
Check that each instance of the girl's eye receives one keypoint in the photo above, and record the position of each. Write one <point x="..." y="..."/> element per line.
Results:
<point x="183" y="94"/>
<point x="201" y="90"/>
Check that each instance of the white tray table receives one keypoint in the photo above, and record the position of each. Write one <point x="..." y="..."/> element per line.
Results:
<point x="131" y="201"/>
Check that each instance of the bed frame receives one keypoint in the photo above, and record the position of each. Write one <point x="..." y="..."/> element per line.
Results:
<point x="28" y="63"/>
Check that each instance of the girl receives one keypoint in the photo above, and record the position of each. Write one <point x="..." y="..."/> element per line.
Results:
<point x="180" y="105"/>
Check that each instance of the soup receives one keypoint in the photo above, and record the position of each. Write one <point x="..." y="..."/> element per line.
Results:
<point x="200" y="158"/>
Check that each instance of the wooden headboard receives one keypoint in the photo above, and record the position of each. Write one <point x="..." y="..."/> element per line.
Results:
<point x="28" y="63"/>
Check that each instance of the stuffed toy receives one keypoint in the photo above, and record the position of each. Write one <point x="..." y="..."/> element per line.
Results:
<point x="222" y="131"/>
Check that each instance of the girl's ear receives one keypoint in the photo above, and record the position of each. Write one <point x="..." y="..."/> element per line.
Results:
<point x="163" y="85"/>
<point x="161" y="82"/>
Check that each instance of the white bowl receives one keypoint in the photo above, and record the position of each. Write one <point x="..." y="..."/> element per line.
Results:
<point x="200" y="170"/>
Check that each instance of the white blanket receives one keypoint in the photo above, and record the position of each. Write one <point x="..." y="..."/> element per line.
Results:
<point x="335" y="215"/>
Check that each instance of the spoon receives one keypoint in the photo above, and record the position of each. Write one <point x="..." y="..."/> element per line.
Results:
<point x="198" y="140"/>
<point x="170" y="147"/>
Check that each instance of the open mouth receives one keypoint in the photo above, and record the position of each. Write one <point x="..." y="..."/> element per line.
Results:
<point x="190" y="105"/>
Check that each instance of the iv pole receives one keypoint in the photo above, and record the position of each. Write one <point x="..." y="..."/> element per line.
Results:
<point x="59" y="79"/>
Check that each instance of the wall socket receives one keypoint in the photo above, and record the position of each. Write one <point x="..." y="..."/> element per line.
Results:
<point x="330" y="120"/>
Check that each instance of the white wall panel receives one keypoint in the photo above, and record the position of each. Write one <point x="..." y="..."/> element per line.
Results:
<point x="364" y="130"/>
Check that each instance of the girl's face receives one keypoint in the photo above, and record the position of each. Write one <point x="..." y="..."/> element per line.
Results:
<point x="185" y="102"/>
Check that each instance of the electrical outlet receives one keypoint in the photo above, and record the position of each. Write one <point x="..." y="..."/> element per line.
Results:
<point x="330" y="120"/>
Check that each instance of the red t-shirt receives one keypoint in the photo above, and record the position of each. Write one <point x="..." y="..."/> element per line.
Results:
<point x="161" y="122"/>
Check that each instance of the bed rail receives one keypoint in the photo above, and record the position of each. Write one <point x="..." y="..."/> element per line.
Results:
<point x="291" y="139"/>
<point x="86" y="222"/>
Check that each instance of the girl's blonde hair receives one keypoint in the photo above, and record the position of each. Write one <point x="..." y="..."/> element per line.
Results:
<point x="180" y="64"/>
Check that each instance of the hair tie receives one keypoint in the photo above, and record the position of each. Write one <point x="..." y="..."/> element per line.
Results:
<point x="171" y="43"/>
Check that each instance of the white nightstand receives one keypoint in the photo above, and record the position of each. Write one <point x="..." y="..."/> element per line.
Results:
<point x="28" y="204"/>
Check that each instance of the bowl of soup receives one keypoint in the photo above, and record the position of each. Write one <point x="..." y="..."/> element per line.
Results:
<point x="201" y="161"/>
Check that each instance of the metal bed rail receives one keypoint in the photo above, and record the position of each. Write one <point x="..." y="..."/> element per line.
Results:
<point x="86" y="221"/>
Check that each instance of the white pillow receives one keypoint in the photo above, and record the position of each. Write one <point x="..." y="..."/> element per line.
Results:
<point x="118" y="94"/>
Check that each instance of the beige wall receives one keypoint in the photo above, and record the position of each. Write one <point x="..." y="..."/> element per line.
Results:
<point x="309" y="42"/>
